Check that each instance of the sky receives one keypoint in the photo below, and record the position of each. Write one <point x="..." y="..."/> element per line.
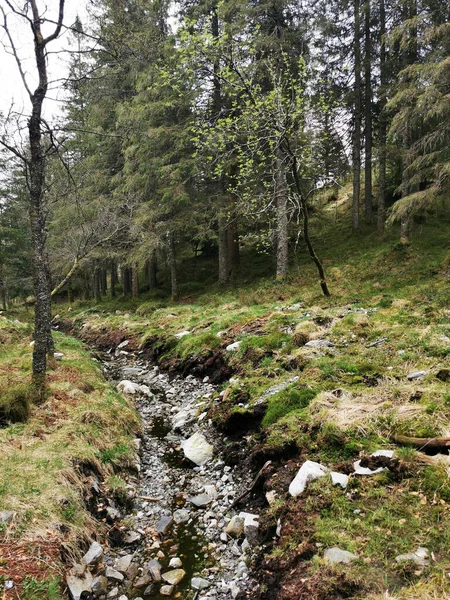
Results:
<point x="11" y="87"/>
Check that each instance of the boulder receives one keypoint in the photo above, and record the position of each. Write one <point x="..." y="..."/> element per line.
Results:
<point x="251" y="527"/>
<point x="309" y="471"/>
<point x="197" y="449"/>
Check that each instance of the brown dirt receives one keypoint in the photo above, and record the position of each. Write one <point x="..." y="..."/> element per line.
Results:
<point x="40" y="559"/>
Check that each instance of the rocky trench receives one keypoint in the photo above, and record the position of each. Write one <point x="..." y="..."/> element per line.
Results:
<point x="181" y="536"/>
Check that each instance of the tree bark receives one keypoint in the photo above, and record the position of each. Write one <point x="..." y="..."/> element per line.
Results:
<point x="153" y="271"/>
<point x="97" y="288"/>
<point x="282" y="218"/>
<point x="135" y="281"/>
<point x="113" y="278"/>
<point x="381" y="213"/>
<point x="173" y="267"/>
<point x="356" y="141"/>
<point x="233" y="242"/>
<point x="367" y="115"/>
<point x="103" y="280"/>
<point x="223" y="250"/>
<point x="126" y="281"/>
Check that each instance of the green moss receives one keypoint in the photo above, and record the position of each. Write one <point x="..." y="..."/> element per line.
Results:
<point x="15" y="403"/>
<point x="288" y="400"/>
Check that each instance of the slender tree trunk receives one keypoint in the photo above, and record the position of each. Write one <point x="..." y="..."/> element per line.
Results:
<point x="233" y="242"/>
<point x="103" y="281"/>
<point x="282" y="218"/>
<point x="368" y="115"/>
<point x="113" y="278"/>
<point x="173" y="267"/>
<point x="69" y="292"/>
<point x="97" y="287"/>
<point x="3" y="291"/>
<point x="153" y="271"/>
<point x="404" y="230"/>
<point x="126" y="281"/>
<point x="223" y="250"/>
<point x="381" y="216"/>
<point x="356" y="141"/>
<point x="135" y="280"/>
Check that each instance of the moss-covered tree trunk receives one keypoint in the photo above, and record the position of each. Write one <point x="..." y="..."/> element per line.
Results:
<point x="356" y="138"/>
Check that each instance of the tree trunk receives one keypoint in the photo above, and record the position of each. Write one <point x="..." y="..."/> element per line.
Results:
<point x="173" y="267"/>
<point x="126" y="281"/>
<point x="103" y="281"/>
<point x="368" y="116"/>
<point x="223" y="250"/>
<point x="135" y="281"/>
<point x="69" y="292"/>
<point x="113" y="278"/>
<point x="356" y="141"/>
<point x="381" y="215"/>
<point x="233" y="259"/>
<point x="282" y="218"/>
<point x="153" y="271"/>
<point x="404" y="230"/>
<point x="97" y="288"/>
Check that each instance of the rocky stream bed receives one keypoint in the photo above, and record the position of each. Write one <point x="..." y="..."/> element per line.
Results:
<point x="181" y="537"/>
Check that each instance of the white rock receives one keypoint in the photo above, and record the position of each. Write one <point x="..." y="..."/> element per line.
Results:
<point x="182" y="334"/>
<point x="385" y="453"/>
<point x="197" y="449"/>
<point x="419" y="557"/>
<point x="128" y="387"/>
<point x="233" y="347"/>
<point x="309" y="471"/>
<point x="336" y="555"/>
<point x="124" y="344"/>
<point x="58" y="355"/>
<point x="339" y="479"/>
<point x="319" y="344"/>
<point x="365" y="470"/>
<point x="175" y="563"/>
<point x="78" y="580"/>
<point x="122" y="563"/>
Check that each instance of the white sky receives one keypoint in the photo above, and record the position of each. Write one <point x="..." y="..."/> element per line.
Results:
<point x="11" y="86"/>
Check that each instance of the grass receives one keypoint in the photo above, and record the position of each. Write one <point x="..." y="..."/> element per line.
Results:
<point x="388" y="316"/>
<point x="82" y="422"/>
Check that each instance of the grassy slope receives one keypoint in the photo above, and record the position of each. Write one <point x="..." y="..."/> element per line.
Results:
<point x="83" y="421"/>
<point x="409" y="290"/>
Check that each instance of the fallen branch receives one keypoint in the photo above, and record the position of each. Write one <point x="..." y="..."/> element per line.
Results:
<point x="252" y="486"/>
<point x="421" y="443"/>
<point x="149" y="499"/>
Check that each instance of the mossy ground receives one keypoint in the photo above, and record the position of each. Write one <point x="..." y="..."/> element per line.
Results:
<point x="82" y="421"/>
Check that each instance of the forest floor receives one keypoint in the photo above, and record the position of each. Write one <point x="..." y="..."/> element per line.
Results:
<point x="377" y="368"/>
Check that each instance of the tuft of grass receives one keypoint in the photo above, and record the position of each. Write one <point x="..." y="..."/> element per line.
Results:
<point x="288" y="400"/>
<point x="15" y="403"/>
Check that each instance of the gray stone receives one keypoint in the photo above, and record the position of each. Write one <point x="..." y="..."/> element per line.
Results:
<point x="309" y="471"/>
<point x="164" y="525"/>
<point x="100" y="585"/>
<point x="151" y="590"/>
<point x="113" y="513"/>
<point x="197" y="449"/>
<point x="198" y="583"/>
<point x="182" y="334"/>
<point x="200" y="500"/>
<point x="174" y="577"/>
<point x="58" y="355"/>
<point x="166" y="590"/>
<point x="416" y="375"/>
<point x="419" y="557"/>
<point x="181" y="516"/>
<point x="78" y="580"/>
<point x="251" y="527"/>
<point x="336" y="555"/>
<point x="131" y="537"/>
<point x="113" y="574"/>
<point x="6" y="516"/>
<point x="93" y="555"/>
<point x="113" y="593"/>
<point x="319" y="344"/>
<point x="154" y="568"/>
<point x="123" y="563"/>
<point x="142" y="582"/>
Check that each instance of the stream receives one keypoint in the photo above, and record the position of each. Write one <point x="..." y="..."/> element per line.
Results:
<point x="176" y="544"/>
